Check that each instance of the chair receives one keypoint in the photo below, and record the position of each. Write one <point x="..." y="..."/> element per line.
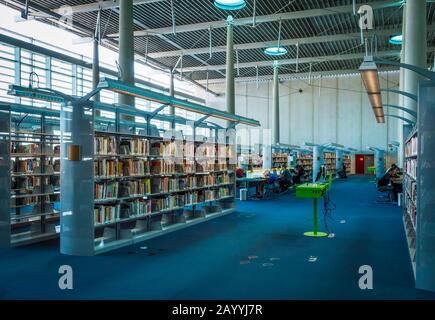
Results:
<point x="385" y="194"/>
<point x="271" y="189"/>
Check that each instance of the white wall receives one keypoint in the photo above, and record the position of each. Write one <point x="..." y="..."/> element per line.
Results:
<point x="333" y="109"/>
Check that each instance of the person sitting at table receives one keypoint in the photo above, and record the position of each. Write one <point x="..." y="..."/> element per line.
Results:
<point x="262" y="183"/>
<point x="299" y="173"/>
<point x="273" y="177"/>
<point x="343" y="172"/>
<point x="387" y="182"/>
<point x="285" y="179"/>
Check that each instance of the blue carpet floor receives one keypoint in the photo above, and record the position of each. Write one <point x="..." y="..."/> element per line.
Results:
<point x="209" y="261"/>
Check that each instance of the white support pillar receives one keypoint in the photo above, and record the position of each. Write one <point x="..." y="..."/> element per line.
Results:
<point x="275" y="125"/>
<point x="401" y="100"/>
<point x="230" y="86"/>
<point x="415" y="46"/>
<point x="172" y="94"/>
<point x="126" y="48"/>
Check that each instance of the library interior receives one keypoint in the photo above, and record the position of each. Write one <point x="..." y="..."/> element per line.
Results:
<point x="217" y="149"/>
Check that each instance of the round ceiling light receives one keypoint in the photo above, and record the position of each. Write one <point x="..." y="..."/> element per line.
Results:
<point x="398" y="39"/>
<point x="275" y="51"/>
<point x="230" y="4"/>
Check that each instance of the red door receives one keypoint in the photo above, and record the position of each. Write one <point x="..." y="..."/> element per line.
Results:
<point x="359" y="164"/>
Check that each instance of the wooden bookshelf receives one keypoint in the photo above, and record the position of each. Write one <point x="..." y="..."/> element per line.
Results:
<point x="32" y="169"/>
<point x="307" y="163"/>
<point x="145" y="186"/>
<point x="348" y="162"/>
<point x="279" y="159"/>
<point x="330" y="162"/>
<point x="249" y="159"/>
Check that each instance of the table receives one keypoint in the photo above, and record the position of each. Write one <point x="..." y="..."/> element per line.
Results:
<point x="314" y="191"/>
<point x="248" y="181"/>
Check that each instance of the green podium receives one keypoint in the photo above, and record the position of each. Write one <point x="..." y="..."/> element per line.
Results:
<point x="314" y="191"/>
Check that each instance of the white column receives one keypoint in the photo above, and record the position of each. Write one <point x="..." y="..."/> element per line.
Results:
<point x="415" y="46"/>
<point x="401" y="100"/>
<point x="275" y="126"/>
<point x="126" y="47"/>
<point x="230" y="87"/>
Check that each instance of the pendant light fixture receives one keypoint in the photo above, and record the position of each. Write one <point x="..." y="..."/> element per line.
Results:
<point x="230" y="4"/>
<point x="397" y="39"/>
<point x="276" y="50"/>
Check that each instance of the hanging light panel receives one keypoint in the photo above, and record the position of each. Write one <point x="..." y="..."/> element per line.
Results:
<point x="230" y="4"/>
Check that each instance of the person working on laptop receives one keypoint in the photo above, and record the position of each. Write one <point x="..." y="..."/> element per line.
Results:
<point x="285" y="178"/>
<point x="389" y="180"/>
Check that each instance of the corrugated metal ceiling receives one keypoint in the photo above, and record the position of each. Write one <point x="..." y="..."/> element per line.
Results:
<point x="158" y="15"/>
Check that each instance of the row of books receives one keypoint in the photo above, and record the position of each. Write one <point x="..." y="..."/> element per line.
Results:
<point x="168" y="148"/>
<point x="189" y="149"/>
<point x="347" y="161"/>
<point x="138" y="147"/>
<point x="166" y="167"/>
<point x="168" y="202"/>
<point x="30" y="201"/>
<point x="112" y="190"/>
<point x="224" y="178"/>
<point x="31" y="182"/>
<point x="206" y="150"/>
<point x="106" y="190"/>
<point x="205" y="166"/>
<point x="112" y="213"/>
<point x="410" y="186"/>
<point x="106" y="168"/>
<point x="106" y="214"/>
<point x="411" y="146"/>
<point x="26" y="149"/>
<point x="134" y="167"/>
<point x="25" y="166"/>
<point x="207" y="180"/>
<point x="134" y="188"/>
<point x="410" y="198"/>
<point x="165" y="184"/>
<point x="329" y="155"/>
<point x="105" y="145"/>
<point x="411" y="167"/>
<point x="411" y="210"/>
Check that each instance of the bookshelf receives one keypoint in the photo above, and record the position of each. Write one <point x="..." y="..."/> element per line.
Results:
<point x="30" y="145"/>
<point x="410" y="194"/>
<point x="307" y="162"/>
<point x="92" y="216"/>
<point x="142" y="185"/>
<point x="250" y="159"/>
<point x="329" y="162"/>
<point x="348" y="162"/>
<point x="280" y="156"/>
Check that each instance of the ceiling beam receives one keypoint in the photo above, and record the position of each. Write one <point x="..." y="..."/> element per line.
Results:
<point x="286" y="42"/>
<point x="292" y="76"/>
<point x="319" y="59"/>
<point x="269" y="63"/>
<point x="92" y="7"/>
<point x="266" y="18"/>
